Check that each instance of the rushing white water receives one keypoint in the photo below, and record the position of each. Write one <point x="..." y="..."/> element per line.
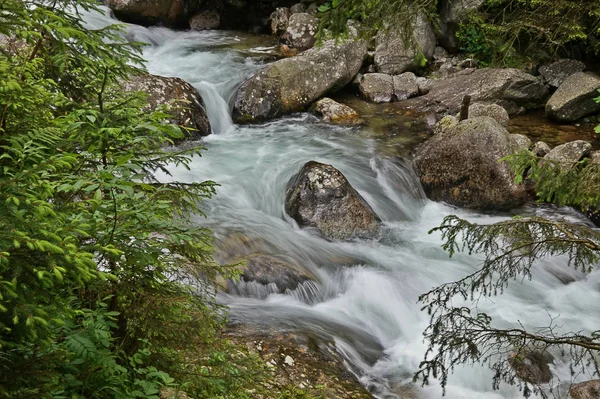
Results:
<point x="366" y="297"/>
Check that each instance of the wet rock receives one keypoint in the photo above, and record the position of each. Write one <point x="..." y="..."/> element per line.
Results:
<point x="531" y="365"/>
<point x="520" y="141"/>
<point x="541" y="149"/>
<point x="278" y="20"/>
<point x="287" y="51"/>
<point x="574" y="98"/>
<point x="320" y="196"/>
<point x="585" y="390"/>
<point x="556" y="72"/>
<point x="595" y="156"/>
<point x="395" y="55"/>
<point x="494" y="111"/>
<point x="205" y="20"/>
<point x="298" y="8"/>
<point x="333" y="112"/>
<point x="298" y="360"/>
<point x="452" y="13"/>
<point x="405" y="86"/>
<point x="460" y="165"/>
<point x="300" y="33"/>
<point x="172" y="13"/>
<point x="292" y="84"/>
<point x="187" y="110"/>
<point x="486" y="85"/>
<point x="570" y="152"/>
<point x="234" y="245"/>
<point x="268" y="269"/>
<point x="377" y="87"/>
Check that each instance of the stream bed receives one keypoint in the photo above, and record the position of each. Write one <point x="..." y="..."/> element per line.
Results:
<point x="365" y="297"/>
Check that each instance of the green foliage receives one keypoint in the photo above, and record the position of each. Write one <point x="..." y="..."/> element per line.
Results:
<point x="576" y="184"/>
<point x="474" y="41"/>
<point x="94" y="249"/>
<point x="518" y="32"/>
<point x="371" y="14"/>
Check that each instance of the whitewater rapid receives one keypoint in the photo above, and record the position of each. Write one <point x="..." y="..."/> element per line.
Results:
<point x="367" y="303"/>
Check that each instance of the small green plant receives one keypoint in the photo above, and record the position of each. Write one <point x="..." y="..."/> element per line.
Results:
<point x="421" y="60"/>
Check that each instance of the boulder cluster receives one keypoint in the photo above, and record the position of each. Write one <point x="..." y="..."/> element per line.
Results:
<point x="462" y="163"/>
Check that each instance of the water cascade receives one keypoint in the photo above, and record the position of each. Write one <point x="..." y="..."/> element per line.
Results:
<point x="365" y="299"/>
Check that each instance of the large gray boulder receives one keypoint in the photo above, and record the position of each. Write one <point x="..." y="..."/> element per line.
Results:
<point x="574" y="99"/>
<point x="384" y="88"/>
<point x="235" y="14"/>
<point x="184" y="102"/>
<point x="556" y="72"/>
<point x="486" y="85"/>
<point x="585" y="390"/>
<point x="452" y="13"/>
<point x="300" y="32"/>
<point x="292" y="84"/>
<point x="398" y="51"/>
<point x="461" y="165"/>
<point x="570" y="152"/>
<point x="320" y="196"/>
<point x="405" y="86"/>
<point x="377" y="87"/>
<point x="152" y="12"/>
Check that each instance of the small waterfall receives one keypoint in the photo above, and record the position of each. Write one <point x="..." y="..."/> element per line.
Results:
<point x="307" y="292"/>
<point x="216" y="107"/>
<point x="221" y="71"/>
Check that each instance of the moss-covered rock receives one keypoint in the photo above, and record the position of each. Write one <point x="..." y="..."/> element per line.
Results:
<point x="398" y="51"/>
<point x="506" y="87"/>
<point x="461" y="165"/>
<point x="183" y="100"/>
<point x="292" y="84"/>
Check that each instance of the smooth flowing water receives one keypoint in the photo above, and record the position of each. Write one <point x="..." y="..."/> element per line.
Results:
<point x="365" y="299"/>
